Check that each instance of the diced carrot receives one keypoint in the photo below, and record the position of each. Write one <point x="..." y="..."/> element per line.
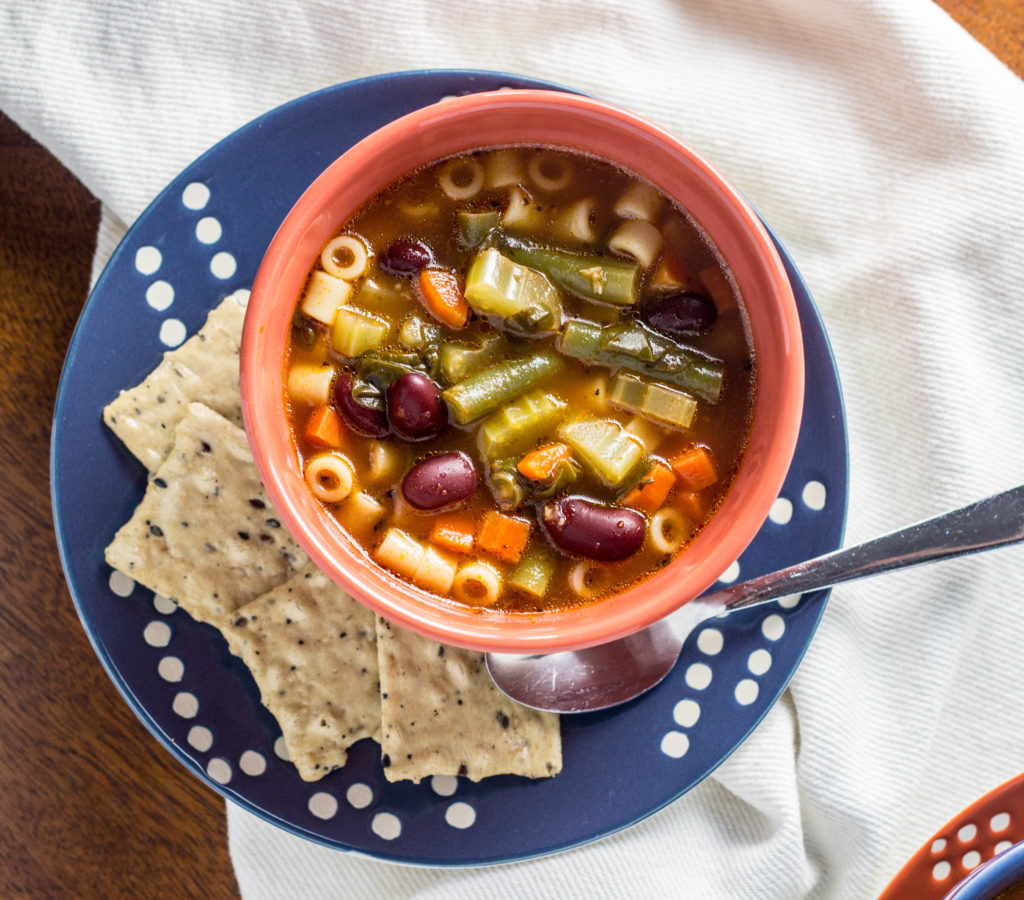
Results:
<point x="692" y="504"/>
<point x="324" y="428"/>
<point x="695" y="469"/>
<point x="442" y="296"/>
<point x="541" y="464"/>
<point x="651" y="491"/>
<point x="503" y="535"/>
<point x="454" y="533"/>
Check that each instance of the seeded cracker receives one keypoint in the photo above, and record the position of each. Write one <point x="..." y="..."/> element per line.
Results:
<point x="204" y="369"/>
<point x="442" y="715"/>
<point x="205" y="534"/>
<point x="313" y="652"/>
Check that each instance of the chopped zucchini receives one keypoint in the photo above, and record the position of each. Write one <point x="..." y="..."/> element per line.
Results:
<point x="524" y="299"/>
<point x="533" y="572"/>
<point x="519" y="423"/>
<point x="604" y="447"/>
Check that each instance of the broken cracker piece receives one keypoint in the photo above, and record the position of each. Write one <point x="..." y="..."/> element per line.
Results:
<point x="313" y="652"/>
<point x="204" y="369"/>
<point x="442" y="715"/>
<point x="205" y="534"/>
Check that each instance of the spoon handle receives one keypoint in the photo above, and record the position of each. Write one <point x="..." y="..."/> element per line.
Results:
<point x="993" y="522"/>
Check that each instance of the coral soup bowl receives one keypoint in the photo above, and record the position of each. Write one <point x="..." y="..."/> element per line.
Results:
<point x="545" y="118"/>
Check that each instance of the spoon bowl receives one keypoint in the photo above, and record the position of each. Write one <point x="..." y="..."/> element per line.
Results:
<point x="608" y="674"/>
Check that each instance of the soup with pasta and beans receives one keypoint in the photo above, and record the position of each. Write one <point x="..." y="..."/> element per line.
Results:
<point x="520" y="378"/>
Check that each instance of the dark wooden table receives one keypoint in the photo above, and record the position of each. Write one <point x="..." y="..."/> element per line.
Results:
<point x="90" y="804"/>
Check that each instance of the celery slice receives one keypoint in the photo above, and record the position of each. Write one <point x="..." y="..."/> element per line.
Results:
<point x="520" y="423"/>
<point x="652" y="400"/>
<point x="524" y="299"/>
<point x="356" y="332"/>
<point x="604" y="447"/>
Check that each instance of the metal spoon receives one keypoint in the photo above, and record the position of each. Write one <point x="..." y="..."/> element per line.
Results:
<point x="609" y="674"/>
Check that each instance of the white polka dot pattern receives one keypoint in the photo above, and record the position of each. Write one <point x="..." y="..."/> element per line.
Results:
<point x="219" y="770"/>
<point x="359" y="795"/>
<point x="172" y="332"/>
<point x="252" y="763"/>
<point x="711" y="641"/>
<point x="170" y="668"/>
<point x="444" y="785"/>
<point x="157" y="634"/>
<point x="386" y="825"/>
<point x="160" y="295"/>
<point x="223" y="265"/>
<point x="781" y="511"/>
<point x="460" y="815"/>
<point x="148" y="260"/>
<point x="323" y="805"/>
<point x="208" y="230"/>
<point x="121" y="584"/>
<point x="200" y="737"/>
<point x="195" y="196"/>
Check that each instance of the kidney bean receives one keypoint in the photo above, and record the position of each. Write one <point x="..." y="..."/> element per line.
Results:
<point x="680" y="314"/>
<point x="440" y="481"/>
<point x="582" y="527"/>
<point x="362" y="419"/>
<point x="406" y="257"/>
<point x="415" y="408"/>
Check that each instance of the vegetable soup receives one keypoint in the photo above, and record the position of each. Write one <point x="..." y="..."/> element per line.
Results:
<point x="520" y="378"/>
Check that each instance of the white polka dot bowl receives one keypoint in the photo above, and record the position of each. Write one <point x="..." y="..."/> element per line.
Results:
<point x="201" y="241"/>
<point x="974" y="856"/>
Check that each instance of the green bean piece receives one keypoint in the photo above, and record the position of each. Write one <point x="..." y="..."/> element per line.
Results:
<point x="458" y="361"/>
<point x="475" y="226"/>
<point x="603" y="278"/>
<point x="581" y="340"/>
<point x="604" y="447"/>
<point x="484" y="392"/>
<point x="533" y="572"/>
<point x="519" y="423"/>
<point x="632" y="346"/>
<point x="523" y="298"/>
<point x="505" y="484"/>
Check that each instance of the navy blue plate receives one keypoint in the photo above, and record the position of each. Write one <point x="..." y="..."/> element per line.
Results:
<point x="201" y="240"/>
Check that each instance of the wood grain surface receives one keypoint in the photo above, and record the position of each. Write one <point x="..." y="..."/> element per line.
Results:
<point x="90" y="804"/>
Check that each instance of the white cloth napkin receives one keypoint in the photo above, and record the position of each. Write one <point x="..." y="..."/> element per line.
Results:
<point x="886" y="148"/>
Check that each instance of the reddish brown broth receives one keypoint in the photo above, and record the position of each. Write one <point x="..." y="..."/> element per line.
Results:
<point x="415" y="209"/>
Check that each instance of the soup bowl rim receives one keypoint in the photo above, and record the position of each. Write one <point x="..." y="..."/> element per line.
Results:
<point x="531" y="118"/>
